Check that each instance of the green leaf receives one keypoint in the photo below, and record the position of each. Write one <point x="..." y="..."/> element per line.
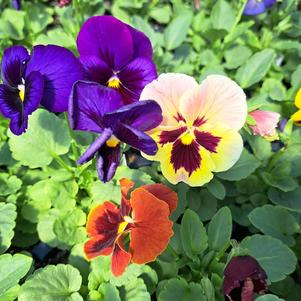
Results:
<point x="175" y="33"/>
<point x="54" y="283"/>
<point x="8" y="216"/>
<point x="134" y="290"/>
<point x="13" y="268"/>
<point x="179" y="289"/>
<point x="11" y="294"/>
<point x="255" y="68"/>
<point x="216" y="188"/>
<point x="47" y="136"/>
<point x="109" y="292"/>
<point x="274" y="88"/>
<point x="290" y="200"/>
<point x="193" y="234"/>
<point x="246" y="165"/>
<point x="277" y="259"/>
<point x="237" y="56"/>
<point x="9" y="184"/>
<point x="275" y="221"/>
<point x="220" y="229"/>
<point x="222" y="16"/>
<point x="269" y="297"/>
<point x="161" y="14"/>
<point x="12" y="24"/>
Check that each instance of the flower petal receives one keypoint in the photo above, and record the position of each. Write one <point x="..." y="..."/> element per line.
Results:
<point x="96" y="70"/>
<point x="136" y="139"/>
<point x="95" y="146"/>
<point x="298" y="99"/>
<point x="13" y="65"/>
<point x="99" y="245"/>
<point x="254" y="7"/>
<point x="126" y="185"/>
<point x="217" y="100"/>
<point x="163" y="193"/>
<point x="60" y="69"/>
<point x="34" y="88"/>
<point x="134" y="77"/>
<point x="103" y="219"/>
<point x="88" y="103"/>
<point x="108" y="38"/>
<point x="152" y="227"/>
<point x="142" y="44"/>
<point x="107" y="162"/>
<point x="143" y="115"/>
<point x="120" y="259"/>
<point x="167" y="91"/>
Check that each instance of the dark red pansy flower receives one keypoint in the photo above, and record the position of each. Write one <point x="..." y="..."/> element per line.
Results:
<point x="243" y="276"/>
<point x="137" y="232"/>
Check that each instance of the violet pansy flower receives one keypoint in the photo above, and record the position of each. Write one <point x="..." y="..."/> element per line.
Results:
<point x="116" y="55"/>
<point x="99" y="109"/>
<point x="256" y="7"/>
<point x="45" y="77"/>
<point x="16" y="4"/>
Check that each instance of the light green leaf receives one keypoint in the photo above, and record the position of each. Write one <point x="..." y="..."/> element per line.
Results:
<point x="13" y="268"/>
<point x="109" y="292"/>
<point x="46" y="137"/>
<point x="277" y="259"/>
<point x="222" y="16"/>
<point x="255" y="68"/>
<point x="193" y="234"/>
<point x="8" y="216"/>
<point x="12" y="24"/>
<point x="134" y="290"/>
<point x="11" y="294"/>
<point x="220" y="229"/>
<point x="54" y="283"/>
<point x="175" y="33"/>
<point x="275" y="221"/>
<point x="246" y="165"/>
<point x="9" y="184"/>
<point x="269" y="297"/>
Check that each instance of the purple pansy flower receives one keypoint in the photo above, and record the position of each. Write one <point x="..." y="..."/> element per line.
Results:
<point x="99" y="109"/>
<point x="116" y="55"/>
<point x="256" y="7"/>
<point x="17" y="4"/>
<point x="45" y="77"/>
<point x="243" y="276"/>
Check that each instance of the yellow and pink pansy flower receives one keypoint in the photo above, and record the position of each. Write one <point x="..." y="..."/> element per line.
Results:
<point x="296" y="117"/>
<point x="199" y="131"/>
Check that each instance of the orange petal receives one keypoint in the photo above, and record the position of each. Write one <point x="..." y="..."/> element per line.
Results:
<point x="152" y="228"/>
<point x="103" y="218"/>
<point x="163" y="193"/>
<point x="99" y="245"/>
<point x="126" y="186"/>
<point x="120" y="259"/>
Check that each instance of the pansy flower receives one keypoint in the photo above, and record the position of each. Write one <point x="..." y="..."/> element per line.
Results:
<point x="45" y="77"/>
<point x="199" y="131"/>
<point x="266" y="123"/>
<point x="16" y="4"/>
<point x="99" y="109"/>
<point x="296" y="117"/>
<point x="256" y="7"/>
<point x="243" y="276"/>
<point x="116" y="55"/>
<point x="143" y="220"/>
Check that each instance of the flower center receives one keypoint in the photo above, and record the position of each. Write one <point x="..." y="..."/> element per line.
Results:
<point x="112" y="142"/>
<point x="123" y="225"/>
<point x="21" y="89"/>
<point x="187" y="138"/>
<point x="114" y="82"/>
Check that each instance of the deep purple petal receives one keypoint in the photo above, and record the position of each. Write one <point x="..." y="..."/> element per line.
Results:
<point x="34" y="88"/>
<point x="269" y="3"/>
<point x="13" y="65"/>
<point x="135" y="76"/>
<point x="142" y="44"/>
<point x="88" y="103"/>
<point x="60" y="69"/>
<point x="107" y="38"/>
<point x="142" y="115"/>
<point x="95" y="146"/>
<point x="96" y="70"/>
<point x="253" y="7"/>
<point x="107" y="162"/>
<point x="136" y="139"/>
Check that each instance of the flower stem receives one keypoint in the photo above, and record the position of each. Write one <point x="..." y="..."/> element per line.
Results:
<point x="61" y="162"/>
<point x="73" y="141"/>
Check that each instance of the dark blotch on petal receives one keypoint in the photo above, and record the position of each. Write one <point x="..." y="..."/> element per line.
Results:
<point x="171" y="136"/>
<point x="207" y="140"/>
<point x="186" y="156"/>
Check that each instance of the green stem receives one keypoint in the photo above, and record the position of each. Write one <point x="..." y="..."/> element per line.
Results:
<point x="61" y="162"/>
<point x="172" y="250"/>
<point x="73" y="141"/>
<point x="222" y="252"/>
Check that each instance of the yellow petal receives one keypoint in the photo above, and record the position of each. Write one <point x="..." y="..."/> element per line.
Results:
<point x="298" y="99"/>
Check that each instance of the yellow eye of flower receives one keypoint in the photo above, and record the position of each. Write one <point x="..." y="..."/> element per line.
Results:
<point x="187" y="139"/>
<point x="114" y="82"/>
<point x="112" y="142"/>
<point x="21" y="89"/>
<point x="122" y="227"/>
